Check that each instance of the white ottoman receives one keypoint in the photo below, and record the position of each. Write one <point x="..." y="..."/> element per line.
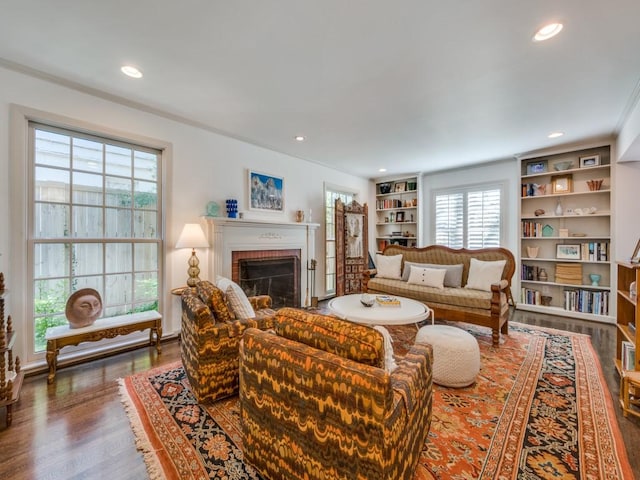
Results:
<point x="456" y="355"/>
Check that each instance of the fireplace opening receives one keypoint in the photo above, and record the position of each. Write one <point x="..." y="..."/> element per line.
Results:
<point x="276" y="277"/>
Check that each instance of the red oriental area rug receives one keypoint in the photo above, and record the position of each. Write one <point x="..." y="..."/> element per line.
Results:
<point x="539" y="410"/>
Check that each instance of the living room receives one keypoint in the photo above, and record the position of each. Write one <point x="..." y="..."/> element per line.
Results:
<point x="202" y="164"/>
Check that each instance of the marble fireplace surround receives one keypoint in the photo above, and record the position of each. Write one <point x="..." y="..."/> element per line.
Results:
<point x="227" y="235"/>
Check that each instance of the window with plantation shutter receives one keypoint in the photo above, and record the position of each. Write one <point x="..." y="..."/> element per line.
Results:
<point x="469" y="218"/>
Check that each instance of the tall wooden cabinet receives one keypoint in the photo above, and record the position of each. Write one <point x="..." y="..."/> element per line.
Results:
<point x="628" y="314"/>
<point x="10" y="375"/>
<point x="565" y="238"/>
<point x="397" y="212"/>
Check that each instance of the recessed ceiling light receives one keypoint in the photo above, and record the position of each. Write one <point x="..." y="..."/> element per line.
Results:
<point x="555" y="134"/>
<point x="548" y="31"/>
<point x="382" y="170"/>
<point x="131" y="71"/>
<point x="300" y="138"/>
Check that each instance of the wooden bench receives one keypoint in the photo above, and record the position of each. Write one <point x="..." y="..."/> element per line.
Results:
<point x="63" y="336"/>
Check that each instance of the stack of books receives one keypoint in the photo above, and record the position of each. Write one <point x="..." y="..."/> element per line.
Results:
<point x="569" y="273"/>
<point x="387" y="301"/>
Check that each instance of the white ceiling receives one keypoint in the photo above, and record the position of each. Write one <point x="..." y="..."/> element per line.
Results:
<point x="410" y="85"/>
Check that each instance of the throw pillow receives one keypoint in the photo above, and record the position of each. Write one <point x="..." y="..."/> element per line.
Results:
<point x="213" y="297"/>
<point x="389" y="266"/>
<point x="236" y="298"/>
<point x="483" y="274"/>
<point x="389" y="358"/>
<point x="453" y="277"/>
<point x="428" y="277"/>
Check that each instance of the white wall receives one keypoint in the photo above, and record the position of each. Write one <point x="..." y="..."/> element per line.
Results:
<point x="204" y="166"/>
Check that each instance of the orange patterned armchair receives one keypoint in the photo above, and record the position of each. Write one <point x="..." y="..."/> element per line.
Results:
<point x="210" y="336"/>
<point x="317" y="403"/>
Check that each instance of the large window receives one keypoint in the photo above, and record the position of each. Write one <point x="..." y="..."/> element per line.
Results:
<point x="94" y="221"/>
<point x="468" y="218"/>
<point x="331" y="194"/>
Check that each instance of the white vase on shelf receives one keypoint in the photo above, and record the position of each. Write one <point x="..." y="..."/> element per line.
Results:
<point x="559" y="210"/>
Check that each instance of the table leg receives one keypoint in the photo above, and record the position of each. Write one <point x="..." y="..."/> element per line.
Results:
<point x="158" y="331"/>
<point x="52" y="359"/>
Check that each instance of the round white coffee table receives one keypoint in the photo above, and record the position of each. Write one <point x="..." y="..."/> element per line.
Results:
<point x="349" y="307"/>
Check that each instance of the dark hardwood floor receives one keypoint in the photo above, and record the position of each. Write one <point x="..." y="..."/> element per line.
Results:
<point x="77" y="428"/>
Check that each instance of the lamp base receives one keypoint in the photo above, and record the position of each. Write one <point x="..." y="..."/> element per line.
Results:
<point x="193" y="269"/>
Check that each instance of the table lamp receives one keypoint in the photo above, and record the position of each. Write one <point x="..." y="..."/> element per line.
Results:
<point x="192" y="237"/>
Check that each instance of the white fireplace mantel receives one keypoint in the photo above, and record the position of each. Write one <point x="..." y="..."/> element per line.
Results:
<point x="228" y="235"/>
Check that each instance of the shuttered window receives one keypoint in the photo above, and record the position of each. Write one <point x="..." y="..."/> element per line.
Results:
<point x="469" y="218"/>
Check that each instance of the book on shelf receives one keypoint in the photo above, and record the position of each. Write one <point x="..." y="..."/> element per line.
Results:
<point x="632" y="327"/>
<point x="387" y="301"/>
<point x="628" y="357"/>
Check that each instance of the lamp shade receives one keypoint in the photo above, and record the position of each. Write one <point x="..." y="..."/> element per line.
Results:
<point x="192" y="236"/>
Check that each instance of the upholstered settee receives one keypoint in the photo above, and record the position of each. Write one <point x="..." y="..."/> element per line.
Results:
<point x="210" y="336"/>
<point x="316" y="401"/>
<point x="459" y="297"/>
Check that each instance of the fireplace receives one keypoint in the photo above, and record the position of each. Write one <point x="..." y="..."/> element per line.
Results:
<point x="269" y="272"/>
<point x="259" y="241"/>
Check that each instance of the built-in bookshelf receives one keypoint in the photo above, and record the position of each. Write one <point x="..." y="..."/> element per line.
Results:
<point x="565" y="233"/>
<point x="628" y="316"/>
<point x="397" y="212"/>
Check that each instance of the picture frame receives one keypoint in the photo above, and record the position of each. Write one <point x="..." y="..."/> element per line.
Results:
<point x="266" y="192"/>
<point x="568" y="251"/>
<point x="635" y="256"/>
<point x="589" y="161"/>
<point x="400" y="217"/>
<point x="400" y="187"/>
<point x="539" y="166"/>
<point x="562" y="183"/>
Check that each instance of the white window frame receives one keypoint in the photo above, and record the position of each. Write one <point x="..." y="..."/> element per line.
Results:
<point x="329" y="232"/>
<point x="465" y="190"/>
<point x="21" y="174"/>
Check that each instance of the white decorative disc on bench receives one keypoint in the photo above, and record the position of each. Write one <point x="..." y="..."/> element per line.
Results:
<point x="456" y="354"/>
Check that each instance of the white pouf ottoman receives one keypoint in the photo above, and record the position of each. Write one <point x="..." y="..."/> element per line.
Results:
<point x="456" y="355"/>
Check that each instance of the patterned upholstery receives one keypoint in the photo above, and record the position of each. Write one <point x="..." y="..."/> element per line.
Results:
<point x="307" y="413"/>
<point x="209" y="344"/>
<point x="488" y="309"/>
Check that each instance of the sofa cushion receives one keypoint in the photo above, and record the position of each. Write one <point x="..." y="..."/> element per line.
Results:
<point x="360" y="343"/>
<point x="388" y="266"/>
<point x="428" y="277"/>
<point x="213" y="297"/>
<point x="483" y="274"/>
<point x="236" y="298"/>
<point x="456" y="297"/>
<point x="453" y="277"/>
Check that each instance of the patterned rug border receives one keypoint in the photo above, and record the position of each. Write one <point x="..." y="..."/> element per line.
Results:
<point x="602" y="419"/>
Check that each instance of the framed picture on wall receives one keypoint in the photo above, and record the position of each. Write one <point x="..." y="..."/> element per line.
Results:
<point x="266" y="192"/>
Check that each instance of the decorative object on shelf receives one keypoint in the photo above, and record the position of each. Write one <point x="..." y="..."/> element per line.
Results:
<point x="539" y="212"/>
<point x="539" y="189"/>
<point x="299" y="216"/>
<point x="532" y="252"/>
<point x="558" y="211"/>
<point x="569" y="273"/>
<point x="589" y="161"/>
<point x="542" y="275"/>
<point x="538" y="166"/>
<point x="213" y="209"/>
<point x="367" y="300"/>
<point x="560" y="166"/>
<point x="266" y="192"/>
<point x="83" y="307"/>
<point x="232" y="208"/>
<point x="568" y="252"/>
<point x="635" y="256"/>
<point x="384" y="188"/>
<point x="547" y="231"/>
<point x="585" y="211"/>
<point x="192" y="237"/>
<point x="400" y="217"/>
<point x="562" y="183"/>
<point x="400" y="187"/>
<point x="595" y="185"/>
<point x="633" y="292"/>
<point x="563" y="232"/>
<point x="595" y="279"/>
<point x="578" y="234"/>
<point x="546" y="300"/>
